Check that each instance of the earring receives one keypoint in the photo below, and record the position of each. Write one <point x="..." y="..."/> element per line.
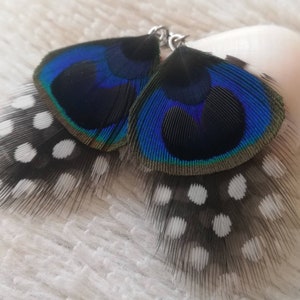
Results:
<point x="80" y="101"/>
<point x="223" y="177"/>
<point x="200" y="114"/>
<point x="215" y="139"/>
<point x="90" y="87"/>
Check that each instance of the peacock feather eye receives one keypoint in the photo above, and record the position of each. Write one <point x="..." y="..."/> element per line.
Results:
<point x="219" y="189"/>
<point x="90" y="87"/>
<point x="201" y="114"/>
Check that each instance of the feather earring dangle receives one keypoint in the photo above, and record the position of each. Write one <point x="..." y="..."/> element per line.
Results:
<point x="213" y="142"/>
<point x="221" y="155"/>
<point x="58" y="137"/>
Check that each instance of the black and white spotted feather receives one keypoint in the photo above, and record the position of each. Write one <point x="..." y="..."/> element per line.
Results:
<point x="43" y="168"/>
<point x="223" y="231"/>
<point x="230" y="231"/>
<point x="235" y="224"/>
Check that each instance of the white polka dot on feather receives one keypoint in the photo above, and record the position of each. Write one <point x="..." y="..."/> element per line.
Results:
<point x="197" y="194"/>
<point x="176" y="227"/>
<point x="23" y="102"/>
<point x="6" y="127"/>
<point x="271" y="206"/>
<point x="24" y="187"/>
<point x="42" y="120"/>
<point x="252" y="249"/>
<point x="25" y="153"/>
<point x="162" y="194"/>
<point x="63" y="149"/>
<point x="221" y="225"/>
<point x="100" y="166"/>
<point x="198" y="258"/>
<point x="273" y="166"/>
<point x="237" y="187"/>
<point x="64" y="185"/>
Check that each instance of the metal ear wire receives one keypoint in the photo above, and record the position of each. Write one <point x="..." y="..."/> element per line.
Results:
<point x="167" y="38"/>
<point x="162" y="33"/>
<point x="176" y="40"/>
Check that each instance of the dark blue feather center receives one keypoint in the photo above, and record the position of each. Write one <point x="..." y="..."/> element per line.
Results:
<point x="218" y="130"/>
<point x="91" y="105"/>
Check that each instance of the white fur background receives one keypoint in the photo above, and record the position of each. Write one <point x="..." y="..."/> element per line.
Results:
<point x="105" y="251"/>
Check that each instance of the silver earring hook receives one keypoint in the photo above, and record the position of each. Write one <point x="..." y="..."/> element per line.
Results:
<point x="167" y="38"/>
<point x="162" y="33"/>
<point x="176" y="40"/>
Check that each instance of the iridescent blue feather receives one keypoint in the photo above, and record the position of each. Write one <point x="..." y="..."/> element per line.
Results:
<point x="220" y="181"/>
<point x="220" y="186"/>
<point x="90" y="87"/>
<point x="201" y="114"/>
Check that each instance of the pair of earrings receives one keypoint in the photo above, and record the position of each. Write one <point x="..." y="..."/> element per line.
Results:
<point x="194" y="114"/>
<point x="220" y="179"/>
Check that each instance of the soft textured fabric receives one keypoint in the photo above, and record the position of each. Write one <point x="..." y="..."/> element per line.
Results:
<point x="106" y="250"/>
